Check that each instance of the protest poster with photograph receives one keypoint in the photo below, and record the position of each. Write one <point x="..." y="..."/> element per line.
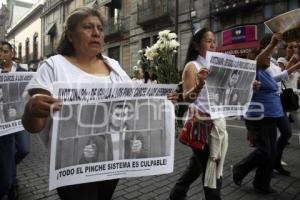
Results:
<point x="229" y="84"/>
<point x="12" y="105"/>
<point x="110" y="131"/>
<point x="288" y="24"/>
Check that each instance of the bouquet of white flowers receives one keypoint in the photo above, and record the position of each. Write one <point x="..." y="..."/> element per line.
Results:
<point x="162" y="54"/>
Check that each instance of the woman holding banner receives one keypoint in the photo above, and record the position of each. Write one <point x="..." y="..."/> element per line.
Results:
<point x="261" y="120"/>
<point x="204" y="154"/>
<point x="79" y="60"/>
<point x="21" y="138"/>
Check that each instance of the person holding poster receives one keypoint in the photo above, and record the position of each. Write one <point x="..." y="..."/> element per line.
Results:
<point x="7" y="143"/>
<point x="204" y="154"/>
<point x="261" y="119"/>
<point x="79" y="59"/>
<point x="22" y="138"/>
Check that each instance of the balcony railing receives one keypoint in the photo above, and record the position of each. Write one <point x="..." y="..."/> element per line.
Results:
<point x="223" y="6"/>
<point x="51" y="4"/>
<point x="117" y="26"/>
<point x="153" y="11"/>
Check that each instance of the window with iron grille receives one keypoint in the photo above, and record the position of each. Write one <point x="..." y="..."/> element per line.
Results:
<point x="20" y="51"/>
<point x="35" y="46"/>
<point x="114" y="53"/>
<point x="27" y="50"/>
<point x="145" y="43"/>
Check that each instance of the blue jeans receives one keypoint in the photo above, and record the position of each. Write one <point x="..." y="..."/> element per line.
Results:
<point x="22" y="148"/>
<point x="22" y="139"/>
<point x="7" y="161"/>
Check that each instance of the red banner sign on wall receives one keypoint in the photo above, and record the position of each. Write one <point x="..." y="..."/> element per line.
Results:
<point x="239" y="34"/>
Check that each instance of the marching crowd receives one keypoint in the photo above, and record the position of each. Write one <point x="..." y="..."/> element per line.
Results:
<point x="79" y="58"/>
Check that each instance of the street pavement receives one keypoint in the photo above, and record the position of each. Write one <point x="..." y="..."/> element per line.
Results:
<point x="33" y="174"/>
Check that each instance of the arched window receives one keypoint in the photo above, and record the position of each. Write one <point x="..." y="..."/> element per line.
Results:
<point x="27" y="50"/>
<point x="20" y="51"/>
<point x="35" y="46"/>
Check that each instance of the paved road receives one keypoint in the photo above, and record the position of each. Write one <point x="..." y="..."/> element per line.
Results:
<point x="32" y="174"/>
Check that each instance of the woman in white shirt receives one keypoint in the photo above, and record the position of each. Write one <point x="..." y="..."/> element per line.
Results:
<point x="292" y="56"/>
<point x="79" y="60"/>
<point x="200" y="127"/>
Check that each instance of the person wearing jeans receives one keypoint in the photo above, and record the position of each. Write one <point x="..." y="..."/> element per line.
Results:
<point x="22" y="138"/>
<point x="6" y="163"/>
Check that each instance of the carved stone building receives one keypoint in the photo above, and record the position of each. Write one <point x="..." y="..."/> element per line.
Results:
<point x="25" y="35"/>
<point x="239" y="25"/>
<point x="134" y="24"/>
<point x="4" y="15"/>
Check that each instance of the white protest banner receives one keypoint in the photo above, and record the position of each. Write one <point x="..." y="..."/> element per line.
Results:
<point x="12" y="105"/>
<point x="110" y="131"/>
<point x="287" y="23"/>
<point x="229" y="84"/>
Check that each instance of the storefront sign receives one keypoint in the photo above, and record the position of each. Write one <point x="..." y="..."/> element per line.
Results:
<point x="240" y="49"/>
<point x="239" y="34"/>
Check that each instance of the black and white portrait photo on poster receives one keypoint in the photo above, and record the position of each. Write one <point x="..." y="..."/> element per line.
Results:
<point x="229" y="84"/>
<point x="12" y="105"/>
<point x="130" y="133"/>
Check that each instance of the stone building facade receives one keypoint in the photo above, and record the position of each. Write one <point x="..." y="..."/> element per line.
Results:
<point x="134" y="24"/>
<point x="4" y="15"/>
<point x="239" y="25"/>
<point x="25" y="35"/>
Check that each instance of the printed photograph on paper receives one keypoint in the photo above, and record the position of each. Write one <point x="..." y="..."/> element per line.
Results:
<point x="12" y="105"/>
<point x="288" y="24"/>
<point x="112" y="137"/>
<point x="125" y="134"/>
<point x="229" y="84"/>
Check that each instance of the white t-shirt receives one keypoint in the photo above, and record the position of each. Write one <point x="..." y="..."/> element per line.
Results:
<point x="58" y="69"/>
<point x="275" y="71"/>
<point x="202" y="100"/>
<point x="292" y="81"/>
